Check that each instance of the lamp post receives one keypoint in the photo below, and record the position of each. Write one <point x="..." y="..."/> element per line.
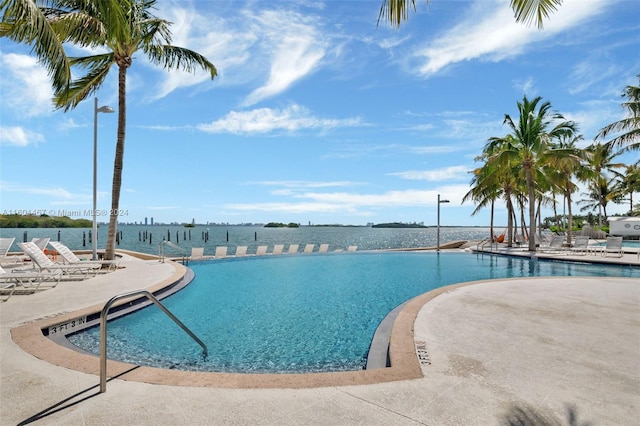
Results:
<point x="438" y="228"/>
<point x="94" y="228"/>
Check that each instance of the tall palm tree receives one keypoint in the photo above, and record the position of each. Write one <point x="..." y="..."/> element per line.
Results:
<point x="530" y="145"/>
<point x="527" y="11"/>
<point x="123" y="28"/>
<point x="629" y="126"/>
<point x="602" y="170"/>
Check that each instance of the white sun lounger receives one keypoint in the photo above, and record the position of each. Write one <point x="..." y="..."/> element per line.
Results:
<point x="221" y="252"/>
<point x="309" y="248"/>
<point x="197" y="253"/>
<point x="614" y="245"/>
<point x="241" y="251"/>
<point x="323" y="248"/>
<point x="70" y="257"/>
<point x="5" y="246"/>
<point x="27" y="279"/>
<point x="262" y="250"/>
<point x="277" y="249"/>
<point x="352" y="248"/>
<point x="293" y="248"/>
<point x="44" y="264"/>
<point x="580" y="245"/>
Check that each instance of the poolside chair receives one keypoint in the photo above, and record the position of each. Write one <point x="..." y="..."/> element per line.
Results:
<point x="614" y="245"/>
<point x="41" y="242"/>
<point x="277" y="249"/>
<point x="29" y="280"/>
<point x="323" y="248"/>
<point x="44" y="264"/>
<point x="5" y="245"/>
<point x="241" y="251"/>
<point x="197" y="253"/>
<point x="308" y="248"/>
<point x="580" y="245"/>
<point x="555" y="246"/>
<point x="70" y="257"/>
<point x="352" y="248"/>
<point x="262" y="250"/>
<point x="221" y="252"/>
<point x="293" y="248"/>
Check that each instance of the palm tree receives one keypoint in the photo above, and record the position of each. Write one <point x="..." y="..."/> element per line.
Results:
<point x="527" y="11"/>
<point x="530" y="145"/>
<point x="600" y="158"/>
<point x="123" y="28"/>
<point x="23" y="21"/>
<point x="630" y="126"/>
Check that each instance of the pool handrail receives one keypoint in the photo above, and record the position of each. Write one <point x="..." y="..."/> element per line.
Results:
<point x="103" y="330"/>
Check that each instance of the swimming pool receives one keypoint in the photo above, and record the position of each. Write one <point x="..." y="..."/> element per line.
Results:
<point x="300" y="313"/>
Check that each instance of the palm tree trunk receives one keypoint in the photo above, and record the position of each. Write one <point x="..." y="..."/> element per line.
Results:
<point x="570" y="226"/>
<point x="532" y="210"/>
<point x="117" y="166"/>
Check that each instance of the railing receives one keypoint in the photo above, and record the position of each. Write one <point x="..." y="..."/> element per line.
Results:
<point x="161" y="248"/>
<point x="103" y="330"/>
<point x="480" y="247"/>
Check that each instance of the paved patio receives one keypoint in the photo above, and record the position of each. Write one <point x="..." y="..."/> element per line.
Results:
<point x="540" y="348"/>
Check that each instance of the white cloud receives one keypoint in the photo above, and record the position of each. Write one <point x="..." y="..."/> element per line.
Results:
<point x="447" y="173"/>
<point x="18" y="136"/>
<point x="490" y="33"/>
<point x="59" y="193"/>
<point x="264" y="120"/>
<point x="26" y="88"/>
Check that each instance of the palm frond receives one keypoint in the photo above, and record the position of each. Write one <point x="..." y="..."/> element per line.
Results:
<point x="98" y="67"/>
<point x="530" y="11"/>
<point x="172" y="57"/>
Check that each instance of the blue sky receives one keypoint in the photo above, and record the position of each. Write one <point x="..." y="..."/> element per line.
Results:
<point x="317" y="115"/>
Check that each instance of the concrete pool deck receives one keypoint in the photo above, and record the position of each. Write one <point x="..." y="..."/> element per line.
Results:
<point x="534" y="347"/>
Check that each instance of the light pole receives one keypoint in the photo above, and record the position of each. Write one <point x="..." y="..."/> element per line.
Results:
<point x="94" y="228"/>
<point x="438" y="228"/>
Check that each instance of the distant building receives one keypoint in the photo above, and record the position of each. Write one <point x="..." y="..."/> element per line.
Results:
<point x="145" y="221"/>
<point x="152" y="221"/>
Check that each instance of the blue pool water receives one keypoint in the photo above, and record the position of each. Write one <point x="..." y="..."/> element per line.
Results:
<point x="300" y="313"/>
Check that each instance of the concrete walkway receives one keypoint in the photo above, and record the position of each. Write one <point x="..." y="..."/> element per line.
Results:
<point x="538" y="348"/>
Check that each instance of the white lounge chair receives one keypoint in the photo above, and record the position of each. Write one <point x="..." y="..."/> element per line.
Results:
<point x="241" y="251"/>
<point x="323" y="248"/>
<point x="277" y="249"/>
<point x="44" y="264"/>
<point x="580" y="245"/>
<point x="221" y="252"/>
<point x="262" y="250"/>
<point x="41" y="242"/>
<point x="70" y="257"/>
<point x="309" y="248"/>
<point x="197" y="253"/>
<point x="352" y="248"/>
<point x="29" y="280"/>
<point x="614" y="245"/>
<point x="5" y="246"/>
<point x="555" y="246"/>
<point x="293" y="248"/>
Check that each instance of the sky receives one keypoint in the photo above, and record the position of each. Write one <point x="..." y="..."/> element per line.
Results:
<point x="318" y="115"/>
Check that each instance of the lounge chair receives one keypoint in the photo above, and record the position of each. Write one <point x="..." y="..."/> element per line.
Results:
<point x="352" y="248"/>
<point x="70" y="257"/>
<point x="556" y="245"/>
<point x="308" y="248"/>
<point x="221" y="252"/>
<point x="614" y="245"/>
<point x="29" y="280"/>
<point x="241" y="251"/>
<point x="44" y="264"/>
<point x="5" y="245"/>
<point x="41" y="242"/>
<point x="293" y="248"/>
<point x="323" y="248"/>
<point x="197" y="253"/>
<point x="277" y="249"/>
<point x="580" y="245"/>
<point x="262" y="250"/>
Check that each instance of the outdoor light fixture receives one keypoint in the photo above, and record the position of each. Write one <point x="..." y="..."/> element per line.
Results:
<point x="438" y="228"/>
<point x="94" y="228"/>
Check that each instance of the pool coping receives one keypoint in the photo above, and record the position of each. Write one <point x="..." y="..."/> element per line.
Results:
<point x="402" y="354"/>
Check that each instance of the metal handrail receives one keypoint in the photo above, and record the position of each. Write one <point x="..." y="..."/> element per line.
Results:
<point x="173" y="246"/>
<point x="103" y="330"/>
